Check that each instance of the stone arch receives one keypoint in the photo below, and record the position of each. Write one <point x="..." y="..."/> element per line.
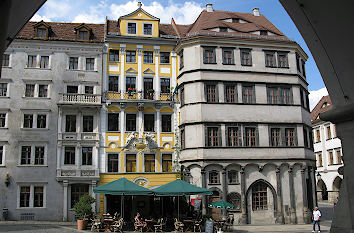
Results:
<point x="337" y="183"/>
<point x="216" y="196"/>
<point x="235" y="199"/>
<point x="322" y="193"/>
<point x="334" y="195"/>
<point x="215" y="165"/>
<point x="265" y="215"/>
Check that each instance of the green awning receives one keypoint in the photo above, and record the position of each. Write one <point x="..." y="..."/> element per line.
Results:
<point x="122" y="186"/>
<point x="221" y="205"/>
<point x="179" y="188"/>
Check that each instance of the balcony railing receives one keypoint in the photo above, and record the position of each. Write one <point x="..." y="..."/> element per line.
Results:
<point x="78" y="136"/>
<point x="73" y="98"/>
<point x="140" y="96"/>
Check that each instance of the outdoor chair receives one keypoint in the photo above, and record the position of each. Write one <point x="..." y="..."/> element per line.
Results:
<point x="178" y="225"/>
<point x="138" y="226"/>
<point x="97" y="224"/>
<point x="118" y="225"/>
<point x="229" y="222"/>
<point x="197" y="225"/>
<point x="160" y="224"/>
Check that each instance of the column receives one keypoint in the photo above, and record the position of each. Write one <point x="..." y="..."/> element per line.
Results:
<point x="158" y="124"/>
<point x="313" y="185"/>
<point x="78" y="125"/>
<point x="122" y="126"/>
<point x="174" y="69"/>
<point x="122" y="77"/>
<point x="306" y="213"/>
<point x="95" y="158"/>
<point x="243" y="219"/>
<point x="140" y="122"/>
<point x="204" y="198"/>
<point x="280" y="216"/>
<point x="157" y="77"/>
<point x="78" y="158"/>
<point x="93" y="185"/>
<point x="292" y="199"/>
<point x="224" y="189"/>
<point x="59" y="156"/>
<point x="65" y="200"/>
<point x="104" y="69"/>
<point x="102" y="138"/>
<point x="140" y="79"/>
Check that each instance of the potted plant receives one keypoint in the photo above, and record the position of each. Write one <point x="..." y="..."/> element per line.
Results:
<point x="150" y="93"/>
<point x="83" y="210"/>
<point x="131" y="91"/>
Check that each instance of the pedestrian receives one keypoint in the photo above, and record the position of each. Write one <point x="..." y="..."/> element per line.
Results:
<point x="316" y="219"/>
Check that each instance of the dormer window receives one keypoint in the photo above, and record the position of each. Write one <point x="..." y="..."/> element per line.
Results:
<point x="131" y="28"/>
<point x="223" y="29"/>
<point x="263" y="32"/>
<point x="83" y="32"/>
<point x="83" y="35"/>
<point x="147" y="29"/>
<point x="42" y="30"/>
<point x="42" y="33"/>
<point x="235" y="20"/>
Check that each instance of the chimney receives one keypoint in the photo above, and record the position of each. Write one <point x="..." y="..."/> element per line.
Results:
<point x="140" y="4"/>
<point x="209" y="7"/>
<point x="256" y="12"/>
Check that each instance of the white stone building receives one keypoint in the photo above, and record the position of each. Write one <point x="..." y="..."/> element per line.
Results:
<point x="328" y="153"/>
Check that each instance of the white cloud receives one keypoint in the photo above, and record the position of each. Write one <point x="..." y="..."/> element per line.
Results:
<point x="95" y="14"/>
<point x="38" y="18"/>
<point x="315" y="96"/>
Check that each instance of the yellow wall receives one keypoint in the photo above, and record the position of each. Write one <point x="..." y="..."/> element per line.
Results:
<point x="139" y="18"/>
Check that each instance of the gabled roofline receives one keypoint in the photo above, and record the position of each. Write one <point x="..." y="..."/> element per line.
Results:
<point x="136" y="11"/>
<point x="41" y="23"/>
<point x="83" y="25"/>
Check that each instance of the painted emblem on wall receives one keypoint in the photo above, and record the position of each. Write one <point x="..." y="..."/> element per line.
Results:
<point x="142" y="181"/>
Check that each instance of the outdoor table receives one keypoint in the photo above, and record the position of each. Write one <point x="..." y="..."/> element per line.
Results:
<point x="150" y="224"/>
<point x="189" y="223"/>
<point x="108" y="223"/>
<point x="220" y="224"/>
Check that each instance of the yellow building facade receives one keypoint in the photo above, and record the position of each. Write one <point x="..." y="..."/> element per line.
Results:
<point x="140" y="116"/>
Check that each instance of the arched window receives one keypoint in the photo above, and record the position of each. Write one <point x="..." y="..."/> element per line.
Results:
<point x="259" y="196"/>
<point x="235" y="199"/>
<point x="214" y="177"/>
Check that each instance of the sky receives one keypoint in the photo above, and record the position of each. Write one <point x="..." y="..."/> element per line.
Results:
<point x="183" y="12"/>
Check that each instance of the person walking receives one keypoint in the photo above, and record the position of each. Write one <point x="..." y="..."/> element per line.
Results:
<point x="316" y="219"/>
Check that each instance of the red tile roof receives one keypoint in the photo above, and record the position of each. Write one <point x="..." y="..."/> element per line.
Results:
<point x="320" y="108"/>
<point x="62" y="32"/>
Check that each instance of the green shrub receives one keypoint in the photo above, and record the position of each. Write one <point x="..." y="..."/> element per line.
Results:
<point x="83" y="208"/>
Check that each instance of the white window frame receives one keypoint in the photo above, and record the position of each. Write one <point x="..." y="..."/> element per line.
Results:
<point x="136" y="28"/>
<point x="33" y="147"/>
<point x="152" y="29"/>
<point x="92" y="156"/>
<point x="35" y="116"/>
<point x="3" y="144"/>
<point x="31" y="201"/>
<point x="36" y="89"/>
<point x="6" y="112"/>
<point x="94" y="63"/>
<point x="77" y="153"/>
<point x="10" y="60"/>
<point x="38" y="61"/>
<point x="7" y="88"/>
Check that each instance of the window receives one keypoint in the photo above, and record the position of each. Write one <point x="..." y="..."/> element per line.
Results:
<point x="28" y="121"/>
<point x="86" y="153"/>
<point x="250" y="136"/>
<point x="29" y="90"/>
<point x="230" y="93"/>
<point x="130" y="56"/>
<point x="73" y="63"/>
<point x="303" y="68"/>
<point x="70" y="123"/>
<point x="227" y="57"/>
<point x="318" y="135"/>
<point x="279" y="95"/>
<point x="283" y="60"/>
<point x="32" y="61"/>
<point x="329" y="134"/>
<point x="41" y="121"/>
<point x="78" y="190"/>
<point x="330" y="155"/>
<point x="182" y="96"/>
<point x="83" y="35"/>
<point x="87" y="124"/>
<point x="39" y="155"/>
<point x="338" y="155"/>
<point x="334" y="131"/>
<point x="130" y="163"/>
<point x="183" y="139"/>
<point x="289" y="137"/>
<point x="164" y="57"/>
<point x="1" y="154"/>
<point x="147" y="29"/>
<point x="246" y="58"/>
<point x="42" y="91"/>
<point x="113" y="121"/>
<point x="113" y="55"/>
<point x="5" y="60"/>
<point x="113" y="163"/>
<point x="166" y="123"/>
<point x="214" y="177"/>
<point x="130" y="83"/>
<point x="209" y="55"/>
<point x="3" y="89"/>
<point x="89" y="90"/>
<point x="25" y="155"/>
<point x="320" y="163"/>
<point x="213" y="136"/>
<point x="38" y="196"/>
<point x="72" y="89"/>
<point x="166" y="163"/>
<point x="149" y="162"/>
<point x="233" y="136"/>
<point x="2" y="120"/>
<point x="130" y="124"/>
<point x="298" y="62"/>
<point x="235" y="200"/>
<point x="181" y="60"/>
<point x="90" y="64"/>
<point x="232" y="177"/>
<point x="69" y="155"/>
<point x="165" y="85"/>
<point x="263" y="32"/>
<point x="270" y="59"/>
<point x="44" y="62"/>
<point x="235" y="20"/>
<point x="223" y="29"/>
<point x="25" y="192"/>
<point x="131" y="28"/>
<point x="149" y="122"/>
<point x="275" y="137"/>
<point x="306" y="142"/>
<point x="148" y="57"/>
<point x="113" y="83"/>
<point x="259" y="197"/>
<point x="211" y="96"/>
<point x="248" y="96"/>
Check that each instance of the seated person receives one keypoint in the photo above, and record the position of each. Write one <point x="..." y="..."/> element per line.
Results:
<point x="139" y="221"/>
